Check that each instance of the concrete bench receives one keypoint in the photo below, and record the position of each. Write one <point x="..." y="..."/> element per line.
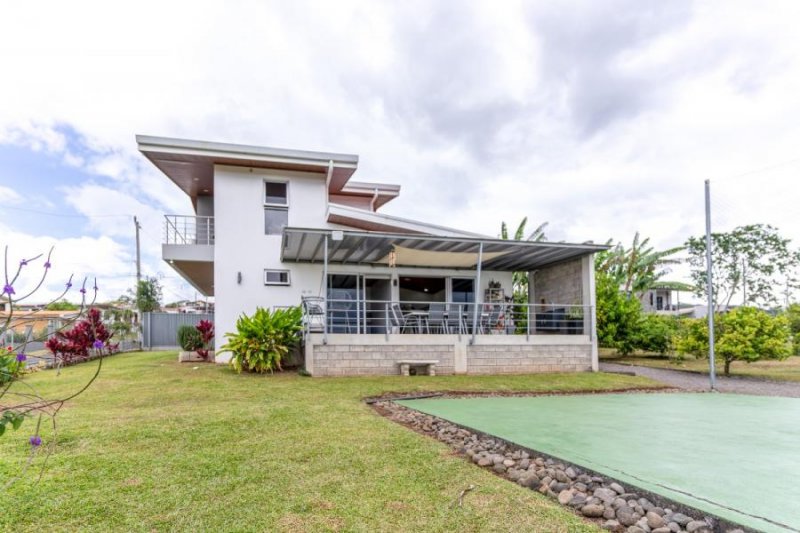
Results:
<point x="406" y="365"/>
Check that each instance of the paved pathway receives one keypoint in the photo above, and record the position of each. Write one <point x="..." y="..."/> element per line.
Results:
<point x="692" y="381"/>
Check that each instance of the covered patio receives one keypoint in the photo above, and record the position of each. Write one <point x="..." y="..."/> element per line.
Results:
<point x="388" y="296"/>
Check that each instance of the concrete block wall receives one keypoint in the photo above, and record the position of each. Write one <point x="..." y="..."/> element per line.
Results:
<point x="559" y="284"/>
<point x="377" y="360"/>
<point x="528" y="359"/>
<point x="359" y="355"/>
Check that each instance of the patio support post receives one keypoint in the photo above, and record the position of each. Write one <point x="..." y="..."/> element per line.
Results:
<point x="477" y="294"/>
<point x="325" y="291"/>
<point x="385" y="320"/>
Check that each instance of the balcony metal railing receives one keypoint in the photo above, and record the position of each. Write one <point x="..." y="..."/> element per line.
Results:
<point x="181" y="229"/>
<point x="386" y="317"/>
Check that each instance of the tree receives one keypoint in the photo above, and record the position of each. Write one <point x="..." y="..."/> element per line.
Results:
<point x="792" y="314"/>
<point x="744" y="334"/>
<point x="61" y="305"/>
<point x="148" y="295"/>
<point x="638" y="268"/>
<point x="753" y="260"/>
<point x="520" y="279"/>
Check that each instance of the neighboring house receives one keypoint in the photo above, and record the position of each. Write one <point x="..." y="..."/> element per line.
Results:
<point x="275" y="228"/>
<point x="665" y="301"/>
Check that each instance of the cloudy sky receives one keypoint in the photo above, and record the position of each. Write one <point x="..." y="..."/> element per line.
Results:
<point x="601" y="117"/>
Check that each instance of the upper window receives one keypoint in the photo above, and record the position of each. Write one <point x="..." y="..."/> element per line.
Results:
<point x="276" y="193"/>
<point x="276" y="207"/>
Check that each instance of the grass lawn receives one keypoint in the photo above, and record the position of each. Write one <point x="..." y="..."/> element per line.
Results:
<point x="786" y="370"/>
<point x="157" y="446"/>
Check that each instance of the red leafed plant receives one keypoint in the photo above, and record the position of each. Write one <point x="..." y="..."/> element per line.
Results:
<point x="206" y="329"/>
<point x="89" y="335"/>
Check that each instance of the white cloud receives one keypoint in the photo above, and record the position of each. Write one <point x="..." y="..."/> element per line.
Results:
<point x="556" y="112"/>
<point x="9" y="195"/>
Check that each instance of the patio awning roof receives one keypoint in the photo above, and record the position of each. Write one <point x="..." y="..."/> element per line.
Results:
<point x="302" y="245"/>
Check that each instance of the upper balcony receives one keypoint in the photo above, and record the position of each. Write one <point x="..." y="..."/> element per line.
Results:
<point x="189" y="248"/>
<point x="181" y="229"/>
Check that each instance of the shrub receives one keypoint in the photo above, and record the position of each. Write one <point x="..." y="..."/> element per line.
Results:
<point x="655" y="333"/>
<point x="263" y="340"/>
<point x="744" y="334"/>
<point x="189" y="338"/>
<point x="792" y="314"/>
<point x="618" y="316"/>
<point x="88" y="336"/>
<point x="205" y="329"/>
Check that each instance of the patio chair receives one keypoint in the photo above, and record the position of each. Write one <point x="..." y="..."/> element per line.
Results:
<point x="313" y="313"/>
<point x="455" y="320"/>
<point x="492" y="319"/>
<point x="436" y="318"/>
<point x="397" y="318"/>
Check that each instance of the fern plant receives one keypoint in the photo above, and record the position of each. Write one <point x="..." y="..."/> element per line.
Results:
<point x="263" y="340"/>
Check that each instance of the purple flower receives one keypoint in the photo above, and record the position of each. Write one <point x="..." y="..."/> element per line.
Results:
<point x="98" y="344"/>
<point x="69" y="284"/>
<point x="36" y="441"/>
<point x="47" y="264"/>
<point x="23" y="263"/>
<point x="83" y="290"/>
<point x="8" y="289"/>
<point x="21" y="357"/>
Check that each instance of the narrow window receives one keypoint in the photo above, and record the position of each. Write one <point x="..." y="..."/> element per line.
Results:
<point x="276" y="277"/>
<point x="276" y="207"/>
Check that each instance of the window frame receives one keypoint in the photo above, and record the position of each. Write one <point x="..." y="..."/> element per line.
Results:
<point x="274" y="204"/>
<point x="288" y="273"/>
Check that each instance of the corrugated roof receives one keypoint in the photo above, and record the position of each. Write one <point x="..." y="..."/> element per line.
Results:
<point x="301" y="245"/>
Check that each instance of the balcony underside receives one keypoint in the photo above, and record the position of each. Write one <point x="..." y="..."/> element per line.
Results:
<point x="194" y="262"/>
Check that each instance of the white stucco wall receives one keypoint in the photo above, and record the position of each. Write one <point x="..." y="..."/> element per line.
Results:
<point x="242" y="247"/>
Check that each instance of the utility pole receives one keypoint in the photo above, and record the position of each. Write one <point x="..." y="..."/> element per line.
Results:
<point x="138" y="252"/>
<point x="710" y="289"/>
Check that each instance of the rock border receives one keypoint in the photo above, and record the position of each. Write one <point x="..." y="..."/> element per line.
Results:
<point x="595" y="497"/>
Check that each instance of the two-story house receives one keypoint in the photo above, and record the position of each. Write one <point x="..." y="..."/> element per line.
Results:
<point x="275" y="228"/>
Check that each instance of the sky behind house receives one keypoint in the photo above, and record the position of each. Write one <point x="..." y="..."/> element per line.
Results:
<point x="602" y="118"/>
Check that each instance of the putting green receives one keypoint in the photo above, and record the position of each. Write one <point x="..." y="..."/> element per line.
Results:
<point x="735" y="456"/>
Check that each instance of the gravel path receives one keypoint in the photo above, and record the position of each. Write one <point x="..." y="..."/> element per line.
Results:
<point x="692" y="381"/>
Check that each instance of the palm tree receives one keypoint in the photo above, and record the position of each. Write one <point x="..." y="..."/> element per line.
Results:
<point x="520" y="279"/>
<point x="639" y="268"/>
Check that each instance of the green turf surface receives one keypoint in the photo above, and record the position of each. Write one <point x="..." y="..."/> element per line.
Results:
<point x="734" y="456"/>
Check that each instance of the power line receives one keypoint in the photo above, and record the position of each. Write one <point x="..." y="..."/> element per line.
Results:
<point x="64" y="215"/>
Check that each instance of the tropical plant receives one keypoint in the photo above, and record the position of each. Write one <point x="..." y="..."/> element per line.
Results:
<point x="744" y="334"/>
<point x="520" y="279"/>
<point x="263" y="340"/>
<point x="205" y="328"/>
<point x="189" y="338"/>
<point x="752" y="260"/>
<point x="639" y="268"/>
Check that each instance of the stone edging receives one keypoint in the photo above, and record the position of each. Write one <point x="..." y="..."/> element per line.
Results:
<point x="591" y="495"/>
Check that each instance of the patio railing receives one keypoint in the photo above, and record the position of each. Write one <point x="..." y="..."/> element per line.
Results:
<point x="364" y="317"/>
<point x="181" y="229"/>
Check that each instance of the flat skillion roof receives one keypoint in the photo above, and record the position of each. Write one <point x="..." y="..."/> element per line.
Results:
<point x="190" y="164"/>
<point x="301" y="245"/>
